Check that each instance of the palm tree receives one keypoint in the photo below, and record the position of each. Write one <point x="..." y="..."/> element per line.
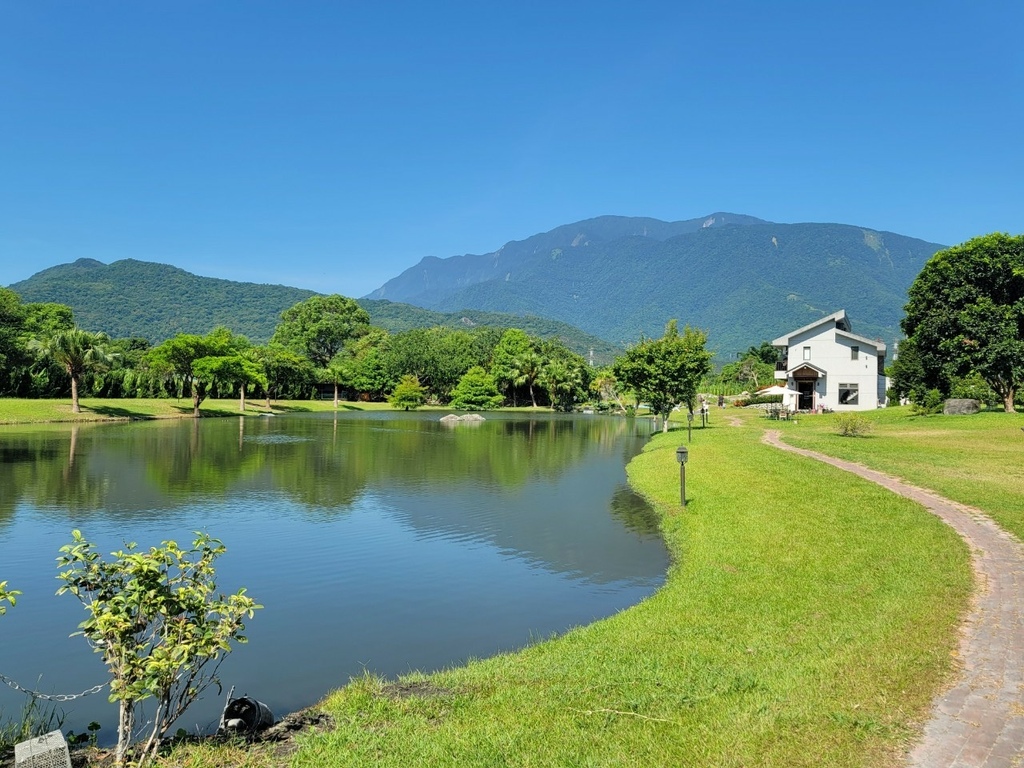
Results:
<point x="563" y="382"/>
<point x="528" y="367"/>
<point x="77" y="352"/>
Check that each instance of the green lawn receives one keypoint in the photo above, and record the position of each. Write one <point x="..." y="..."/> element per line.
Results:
<point x="809" y="617"/>
<point x="22" y="411"/>
<point x="808" y="620"/>
<point x="976" y="460"/>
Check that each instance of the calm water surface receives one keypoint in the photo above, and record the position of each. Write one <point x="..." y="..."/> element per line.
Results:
<point x="375" y="542"/>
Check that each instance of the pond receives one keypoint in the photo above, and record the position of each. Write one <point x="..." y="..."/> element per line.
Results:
<point x="382" y="543"/>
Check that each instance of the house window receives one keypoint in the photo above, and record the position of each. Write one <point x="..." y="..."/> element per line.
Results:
<point x="854" y="352"/>
<point x="848" y="394"/>
<point x="807" y="353"/>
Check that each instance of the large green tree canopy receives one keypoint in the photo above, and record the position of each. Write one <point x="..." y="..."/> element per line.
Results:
<point x="665" y="372"/>
<point x="966" y="314"/>
<point x="319" y="327"/>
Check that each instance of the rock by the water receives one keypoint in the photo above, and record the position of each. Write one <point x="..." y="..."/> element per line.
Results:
<point x="960" y="407"/>
<point x="451" y="417"/>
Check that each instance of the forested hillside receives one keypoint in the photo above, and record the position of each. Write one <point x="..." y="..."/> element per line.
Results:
<point x="141" y="299"/>
<point x="395" y="318"/>
<point x="613" y="278"/>
<point x="742" y="279"/>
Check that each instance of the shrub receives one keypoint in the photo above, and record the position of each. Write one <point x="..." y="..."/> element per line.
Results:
<point x="852" y="425"/>
<point x="158" y="620"/>
<point x="927" y="403"/>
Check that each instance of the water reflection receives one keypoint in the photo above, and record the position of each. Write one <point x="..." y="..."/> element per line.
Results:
<point x="376" y="541"/>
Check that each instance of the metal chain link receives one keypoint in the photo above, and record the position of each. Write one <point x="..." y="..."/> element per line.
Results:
<point x="51" y="696"/>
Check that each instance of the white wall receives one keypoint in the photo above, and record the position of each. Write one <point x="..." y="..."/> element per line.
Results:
<point x="831" y="352"/>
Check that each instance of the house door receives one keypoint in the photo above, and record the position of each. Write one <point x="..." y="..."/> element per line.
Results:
<point x="806" y="400"/>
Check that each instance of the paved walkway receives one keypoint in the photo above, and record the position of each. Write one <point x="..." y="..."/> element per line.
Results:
<point x="979" y="722"/>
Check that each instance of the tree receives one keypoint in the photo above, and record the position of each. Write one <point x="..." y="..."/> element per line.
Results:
<point x="13" y="354"/>
<point x="188" y="356"/>
<point x="43" y="320"/>
<point x="665" y="372"/>
<point x="367" y="369"/>
<point x="159" y="622"/>
<point x="240" y="369"/>
<point x="283" y="371"/>
<point x="907" y="376"/>
<point x="319" y="327"/>
<point x="513" y="344"/>
<point x="76" y="352"/>
<point x="409" y="393"/>
<point x="527" y="368"/>
<point x="966" y="314"/>
<point x="565" y="376"/>
<point x="607" y="388"/>
<point x="476" y="391"/>
<point x="12" y="320"/>
<point x="765" y="353"/>
<point x="437" y="356"/>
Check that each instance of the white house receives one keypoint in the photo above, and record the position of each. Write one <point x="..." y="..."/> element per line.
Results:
<point x="831" y="366"/>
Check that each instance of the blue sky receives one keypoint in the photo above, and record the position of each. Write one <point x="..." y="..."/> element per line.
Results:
<point x="331" y="145"/>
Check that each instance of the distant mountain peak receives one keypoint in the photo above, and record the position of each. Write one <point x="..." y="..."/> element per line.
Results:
<point x="741" y="278"/>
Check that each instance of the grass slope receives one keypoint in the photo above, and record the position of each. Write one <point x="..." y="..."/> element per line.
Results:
<point x="808" y="621"/>
<point x="976" y="460"/>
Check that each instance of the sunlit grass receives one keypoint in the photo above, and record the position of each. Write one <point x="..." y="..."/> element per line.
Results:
<point x="977" y="460"/>
<point x="22" y="411"/>
<point x="808" y="621"/>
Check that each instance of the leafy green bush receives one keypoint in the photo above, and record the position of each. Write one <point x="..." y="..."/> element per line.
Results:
<point x="927" y="403"/>
<point x="758" y="400"/>
<point x="160" y="623"/>
<point x="852" y="425"/>
<point x="476" y="391"/>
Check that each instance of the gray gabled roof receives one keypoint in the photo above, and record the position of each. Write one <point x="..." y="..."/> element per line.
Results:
<point x="838" y="318"/>
<point x="877" y="344"/>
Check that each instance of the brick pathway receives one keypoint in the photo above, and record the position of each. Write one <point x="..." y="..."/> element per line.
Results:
<point x="979" y="722"/>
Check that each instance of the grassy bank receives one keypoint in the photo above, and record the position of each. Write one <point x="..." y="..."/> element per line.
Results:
<point x="977" y="460"/>
<point x="808" y="621"/>
<point x="23" y="411"/>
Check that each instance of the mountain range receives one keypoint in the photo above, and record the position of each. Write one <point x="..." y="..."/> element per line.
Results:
<point x="597" y="284"/>
<point x="740" y="278"/>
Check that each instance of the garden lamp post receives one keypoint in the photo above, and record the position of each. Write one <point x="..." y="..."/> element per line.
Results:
<point x="681" y="456"/>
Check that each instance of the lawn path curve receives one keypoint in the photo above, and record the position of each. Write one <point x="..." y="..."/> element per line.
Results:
<point x="979" y="722"/>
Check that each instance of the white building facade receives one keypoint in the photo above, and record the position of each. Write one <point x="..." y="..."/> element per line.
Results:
<point x="831" y="366"/>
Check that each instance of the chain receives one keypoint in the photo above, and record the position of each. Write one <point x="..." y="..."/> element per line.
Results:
<point x="51" y="696"/>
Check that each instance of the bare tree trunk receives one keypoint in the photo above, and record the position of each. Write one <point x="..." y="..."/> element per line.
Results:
<point x="124" y="731"/>
<point x="74" y="395"/>
<point x="1008" y="400"/>
<point x="241" y="399"/>
<point x="335" y="394"/>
